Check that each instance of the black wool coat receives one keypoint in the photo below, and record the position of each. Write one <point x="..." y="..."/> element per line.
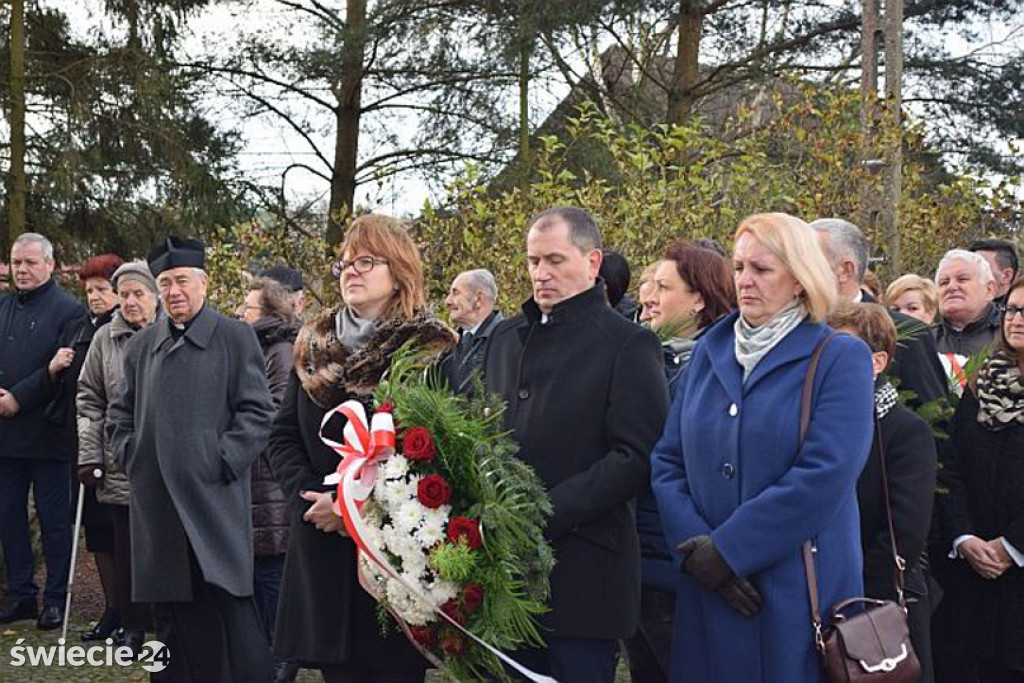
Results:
<point x="985" y="473"/>
<point x="61" y="411"/>
<point x="31" y="326"/>
<point x="586" y="400"/>
<point x="909" y="447"/>
<point x="324" y="616"/>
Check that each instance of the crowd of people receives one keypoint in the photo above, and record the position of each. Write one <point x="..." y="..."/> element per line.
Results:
<point x="700" y="438"/>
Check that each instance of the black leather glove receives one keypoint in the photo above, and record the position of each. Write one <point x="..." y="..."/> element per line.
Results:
<point x="705" y="564"/>
<point x="87" y="474"/>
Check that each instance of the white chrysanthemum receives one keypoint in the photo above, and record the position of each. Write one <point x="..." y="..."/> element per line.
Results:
<point x="408" y="516"/>
<point x="397" y="491"/>
<point x="437" y="516"/>
<point x="396" y="467"/>
<point x="431" y="531"/>
<point x="440" y="591"/>
<point x="408" y="606"/>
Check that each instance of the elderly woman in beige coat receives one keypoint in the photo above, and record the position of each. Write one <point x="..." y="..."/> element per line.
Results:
<point x="101" y="378"/>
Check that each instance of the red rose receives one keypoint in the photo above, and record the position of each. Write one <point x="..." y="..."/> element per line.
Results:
<point x="472" y="596"/>
<point x="417" y="444"/>
<point x="387" y="407"/>
<point x="424" y="635"/>
<point x="453" y="644"/>
<point x="467" y="528"/>
<point x="434" y="491"/>
<point x="454" y="612"/>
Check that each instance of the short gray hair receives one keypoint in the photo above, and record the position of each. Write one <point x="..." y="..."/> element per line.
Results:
<point x="970" y="257"/>
<point x="583" y="231"/>
<point x="482" y="280"/>
<point x="36" y="238"/>
<point x="846" y="241"/>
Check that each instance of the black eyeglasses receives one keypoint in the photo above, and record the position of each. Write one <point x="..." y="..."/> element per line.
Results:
<point x="363" y="264"/>
<point x="1012" y="311"/>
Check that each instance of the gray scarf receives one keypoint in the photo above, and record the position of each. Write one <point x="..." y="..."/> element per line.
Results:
<point x="754" y="343"/>
<point x="353" y="331"/>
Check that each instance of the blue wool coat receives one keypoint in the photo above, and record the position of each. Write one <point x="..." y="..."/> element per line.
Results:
<point x="728" y="464"/>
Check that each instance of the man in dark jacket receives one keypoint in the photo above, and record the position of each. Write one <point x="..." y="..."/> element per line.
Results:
<point x="915" y="366"/>
<point x="970" y="319"/>
<point x="194" y="414"/>
<point x="32" y="319"/>
<point x="586" y="401"/>
<point x="470" y="304"/>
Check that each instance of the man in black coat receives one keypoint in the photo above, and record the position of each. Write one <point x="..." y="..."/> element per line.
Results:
<point x="470" y="304"/>
<point x="586" y="401"/>
<point x="32" y="319"/>
<point x="193" y="415"/>
<point x="915" y="365"/>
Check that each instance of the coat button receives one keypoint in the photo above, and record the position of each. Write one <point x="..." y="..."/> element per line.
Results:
<point x="728" y="471"/>
<point x="524" y="394"/>
<point x="733" y="410"/>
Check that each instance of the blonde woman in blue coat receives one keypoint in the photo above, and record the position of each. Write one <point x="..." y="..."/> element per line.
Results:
<point x="738" y="494"/>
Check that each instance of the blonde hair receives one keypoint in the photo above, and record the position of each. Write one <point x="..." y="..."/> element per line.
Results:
<point x="387" y="238"/>
<point x="914" y="283"/>
<point x="794" y="243"/>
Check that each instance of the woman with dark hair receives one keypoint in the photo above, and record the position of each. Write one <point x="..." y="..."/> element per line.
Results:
<point x="65" y="367"/>
<point x="325" y="619"/>
<point x="984" y="470"/>
<point x="693" y="288"/>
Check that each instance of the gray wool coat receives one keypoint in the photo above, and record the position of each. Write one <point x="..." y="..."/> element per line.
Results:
<point x="192" y="417"/>
<point x="100" y="381"/>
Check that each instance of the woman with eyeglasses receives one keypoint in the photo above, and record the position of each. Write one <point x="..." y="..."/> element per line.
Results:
<point x="325" y="619"/>
<point x="984" y="469"/>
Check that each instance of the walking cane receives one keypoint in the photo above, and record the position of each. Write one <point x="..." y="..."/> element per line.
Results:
<point x="97" y="474"/>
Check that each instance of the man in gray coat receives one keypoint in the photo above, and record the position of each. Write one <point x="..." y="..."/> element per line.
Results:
<point x="194" y="414"/>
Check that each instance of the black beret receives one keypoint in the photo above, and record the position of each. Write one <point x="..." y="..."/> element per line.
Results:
<point x="176" y="252"/>
<point x="289" y="277"/>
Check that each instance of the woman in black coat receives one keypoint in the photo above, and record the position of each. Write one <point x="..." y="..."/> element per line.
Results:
<point x="693" y="288"/>
<point x="985" y="471"/>
<point x="325" y="619"/>
<point x="908" y="444"/>
<point x="95" y="275"/>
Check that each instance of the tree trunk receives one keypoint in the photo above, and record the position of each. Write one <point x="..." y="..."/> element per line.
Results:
<point x="870" y="207"/>
<point x="869" y="61"/>
<point x="18" y="184"/>
<point x="347" y="113"/>
<point x="681" y="95"/>
<point x="131" y="15"/>
<point x="893" y="179"/>
<point x="525" y="52"/>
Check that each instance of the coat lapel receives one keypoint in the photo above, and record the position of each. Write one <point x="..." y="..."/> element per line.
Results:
<point x="795" y="346"/>
<point x="721" y="350"/>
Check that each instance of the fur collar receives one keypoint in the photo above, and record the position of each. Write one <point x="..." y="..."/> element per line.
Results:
<point x="329" y="374"/>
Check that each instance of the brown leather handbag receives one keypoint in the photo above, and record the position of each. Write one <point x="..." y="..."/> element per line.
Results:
<point x="864" y="639"/>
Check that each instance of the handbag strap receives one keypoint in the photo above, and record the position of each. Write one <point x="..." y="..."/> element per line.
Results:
<point x="806" y="397"/>
<point x="898" y="561"/>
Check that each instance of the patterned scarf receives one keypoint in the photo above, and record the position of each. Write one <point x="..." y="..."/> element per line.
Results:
<point x="1000" y="393"/>
<point x="754" y="343"/>
<point x="886" y="397"/>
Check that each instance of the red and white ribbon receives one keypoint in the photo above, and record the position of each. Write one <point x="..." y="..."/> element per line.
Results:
<point x="365" y="448"/>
